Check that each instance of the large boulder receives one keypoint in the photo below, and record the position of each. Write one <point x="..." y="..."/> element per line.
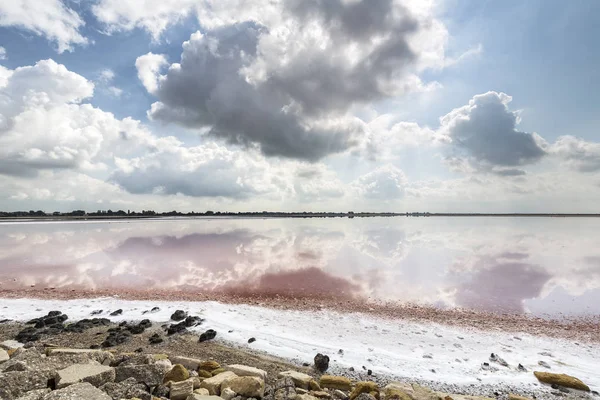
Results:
<point x="181" y="390"/>
<point x="213" y="385"/>
<point x="243" y="370"/>
<point x="246" y="386"/>
<point x="177" y="374"/>
<point x="300" y="379"/>
<point x="95" y="374"/>
<point x="561" y="380"/>
<point x="101" y="356"/>
<point x="16" y="383"/>
<point x="335" y="382"/>
<point x="151" y="375"/>
<point x="82" y="391"/>
<point x="364" y="387"/>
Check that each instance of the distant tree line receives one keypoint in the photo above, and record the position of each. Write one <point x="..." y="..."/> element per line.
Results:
<point x="152" y="213"/>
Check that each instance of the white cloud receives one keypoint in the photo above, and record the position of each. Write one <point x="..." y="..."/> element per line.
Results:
<point x="2" y="53"/>
<point x="106" y="75"/>
<point x="385" y="183"/>
<point x="485" y="131"/>
<point x="43" y="124"/>
<point x="48" y="18"/>
<point x="154" y="16"/>
<point x="148" y="70"/>
<point x="577" y="153"/>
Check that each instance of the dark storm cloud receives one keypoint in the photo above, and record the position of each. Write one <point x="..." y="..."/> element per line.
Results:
<point x="208" y="90"/>
<point x="323" y="82"/>
<point x="297" y="109"/>
<point x="486" y="130"/>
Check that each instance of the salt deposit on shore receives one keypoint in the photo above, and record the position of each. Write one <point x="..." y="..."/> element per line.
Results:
<point x="399" y="348"/>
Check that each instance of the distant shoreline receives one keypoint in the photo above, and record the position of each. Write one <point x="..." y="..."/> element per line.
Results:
<point x="24" y="218"/>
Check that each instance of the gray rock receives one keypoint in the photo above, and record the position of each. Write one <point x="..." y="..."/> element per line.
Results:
<point x="365" y="396"/>
<point x="544" y="364"/>
<point x="151" y="375"/>
<point x="35" y="394"/>
<point x="126" y="389"/>
<point x="82" y="391"/>
<point x="283" y="383"/>
<point x="17" y="383"/>
<point x="287" y="393"/>
<point x="95" y="374"/>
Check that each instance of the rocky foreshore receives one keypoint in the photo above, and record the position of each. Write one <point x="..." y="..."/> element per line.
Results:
<point x="51" y="359"/>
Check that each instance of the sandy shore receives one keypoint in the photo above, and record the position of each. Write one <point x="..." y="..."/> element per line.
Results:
<point x="582" y="329"/>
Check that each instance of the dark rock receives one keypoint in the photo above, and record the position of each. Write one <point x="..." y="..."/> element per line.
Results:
<point x="155" y="309"/>
<point x="123" y="324"/>
<point x="95" y="346"/>
<point x="139" y="350"/>
<point x="116" y="337"/>
<point x="96" y="312"/>
<point x="136" y="329"/>
<point x="145" y="323"/>
<point x="178" y="315"/>
<point x="306" y="364"/>
<point x="369" y="372"/>
<point x="521" y="368"/>
<point x="561" y="388"/>
<point x="27" y="335"/>
<point x="595" y="393"/>
<point x="54" y="313"/>
<point x="176" y="328"/>
<point x="208" y="335"/>
<point x="40" y="324"/>
<point x="116" y="312"/>
<point x="341" y="352"/>
<point x="251" y="340"/>
<point x="321" y="362"/>
<point x="497" y="359"/>
<point x="192" y="321"/>
<point x="155" y="339"/>
<point x="351" y="369"/>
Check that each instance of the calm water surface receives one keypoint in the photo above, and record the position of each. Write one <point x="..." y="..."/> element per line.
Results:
<point x="533" y="265"/>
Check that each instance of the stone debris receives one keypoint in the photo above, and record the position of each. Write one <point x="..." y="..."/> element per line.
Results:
<point x="78" y="391"/>
<point x="26" y="373"/>
<point x="96" y="375"/>
<point x="243" y="370"/>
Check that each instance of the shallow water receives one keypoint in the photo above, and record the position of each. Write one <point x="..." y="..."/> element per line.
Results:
<point x="543" y="266"/>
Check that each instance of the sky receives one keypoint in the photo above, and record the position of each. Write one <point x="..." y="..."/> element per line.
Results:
<point x="300" y="105"/>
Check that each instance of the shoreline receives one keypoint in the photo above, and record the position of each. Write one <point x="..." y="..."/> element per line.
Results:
<point x="582" y="329"/>
<point x="417" y="351"/>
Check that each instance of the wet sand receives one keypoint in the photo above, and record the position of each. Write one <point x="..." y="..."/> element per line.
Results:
<point x="578" y="329"/>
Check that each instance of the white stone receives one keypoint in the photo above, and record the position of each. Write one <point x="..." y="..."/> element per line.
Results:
<point x="91" y="373"/>
<point x="203" y="392"/>
<point x="4" y="355"/>
<point x="228" y="394"/>
<point x="213" y="385"/>
<point x="165" y="365"/>
<point x="189" y="363"/>
<point x="196" y="396"/>
<point x="181" y="390"/>
<point x="244" y="370"/>
<point x="300" y="380"/>
<point x="10" y="345"/>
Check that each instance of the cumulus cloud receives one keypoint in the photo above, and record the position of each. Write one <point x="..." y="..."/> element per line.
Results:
<point x="49" y="18"/>
<point x="2" y="53"/>
<point x="287" y="80"/>
<point x="154" y="16"/>
<point x="577" y="153"/>
<point x="43" y="124"/>
<point x="385" y="183"/>
<point x="208" y="170"/>
<point x="206" y="89"/>
<point x="485" y="132"/>
<point x="148" y="70"/>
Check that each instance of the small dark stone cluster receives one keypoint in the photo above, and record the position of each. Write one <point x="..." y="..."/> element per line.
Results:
<point x="208" y="335"/>
<point x="154" y="309"/>
<point x="155" y="339"/>
<point x="123" y="332"/>
<point x="53" y="324"/>
<point x="188" y="322"/>
<point x="116" y="312"/>
<point x="178" y="315"/>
